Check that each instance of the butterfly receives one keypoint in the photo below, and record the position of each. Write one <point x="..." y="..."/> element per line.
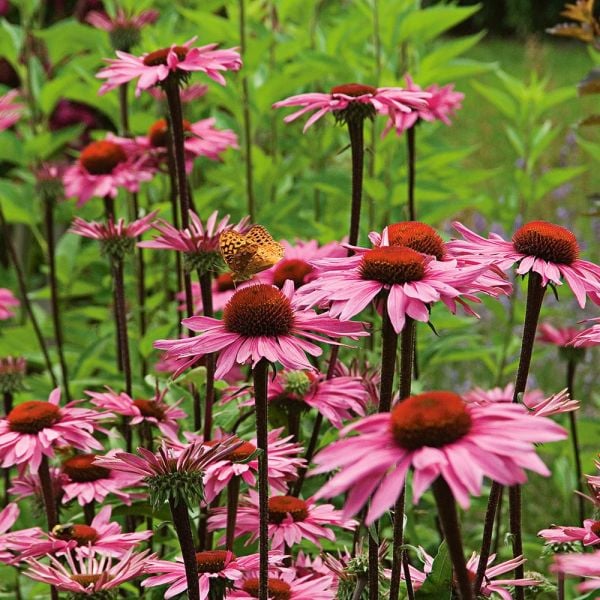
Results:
<point x="249" y="253"/>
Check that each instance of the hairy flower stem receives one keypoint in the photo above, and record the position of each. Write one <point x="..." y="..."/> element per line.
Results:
<point x="89" y="512"/>
<point x="181" y="522"/>
<point x="412" y="159"/>
<point x="571" y="367"/>
<point x="260" y="376"/>
<point x="205" y="281"/>
<point x="141" y="285"/>
<point x="314" y="437"/>
<point x="54" y="299"/>
<point x="48" y="493"/>
<point x="535" y="297"/>
<point x="389" y="345"/>
<point x="357" y="147"/>
<point x="121" y="314"/>
<point x="233" y="492"/>
<point x="123" y="110"/>
<point x="24" y="298"/>
<point x="446" y="507"/>
<point x="246" y="118"/>
<point x="407" y="347"/>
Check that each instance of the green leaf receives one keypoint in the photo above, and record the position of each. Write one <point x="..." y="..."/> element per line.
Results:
<point x="424" y="25"/>
<point x="501" y="100"/>
<point x="555" y="178"/>
<point x="438" y="585"/>
<point x="18" y="203"/>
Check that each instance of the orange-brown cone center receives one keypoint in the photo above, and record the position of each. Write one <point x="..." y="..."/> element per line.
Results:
<point x="33" y="416"/>
<point x="82" y="534"/>
<point x="159" y="57"/>
<point x="258" y="310"/>
<point x="278" y="590"/>
<point x="294" y="269"/>
<point x="547" y="241"/>
<point x="392" y="265"/>
<point x="81" y="469"/>
<point x="225" y="282"/>
<point x="596" y="528"/>
<point x="417" y="236"/>
<point x="212" y="561"/>
<point x="353" y="89"/>
<point x="100" y="158"/>
<point x="149" y="408"/>
<point x="432" y="419"/>
<point x="86" y="580"/>
<point x="158" y="134"/>
<point x="282" y="506"/>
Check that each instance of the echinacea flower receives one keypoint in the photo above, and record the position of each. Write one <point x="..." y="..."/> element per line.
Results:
<point x="26" y="485"/>
<point x="101" y="169"/>
<point x="218" y="570"/>
<point x="407" y="281"/>
<point x="559" y="336"/>
<point x="199" y="242"/>
<point x="90" y="482"/>
<point x="170" y="474"/>
<point x="11" y="542"/>
<point x="588" y="337"/>
<point x="10" y="111"/>
<point x="99" y="537"/>
<point x="261" y="321"/>
<point x="284" y="462"/>
<point x="123" y="29"/>
<point x="285" y="585"/>
<point x="441" y="104"/>
<point x="580" y="565"/>
<point x="438" y="435"/>
<point x="535" y="400"/>
<point x="291" y="520"/>
<point x="88" y="576"/>
<point x="35" y="428"/>
<point x="588" y="535"/>
<point x="549" y="250"/>
<point x="12" y="374"/>
<point x="116" y="239"/>
<point x="344" y="100"/>
<point x="155" y="411"/>
<point x="153" y="68"/>
<point x="8" y="301"/>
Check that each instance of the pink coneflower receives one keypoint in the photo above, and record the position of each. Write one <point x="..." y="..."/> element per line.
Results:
<point x="199" y="242"/>
<point x="406" y="280"/>
<point x="437" y="434"/>
<point x="12" y="375"/>
<point x="441" y="104"/>
<point x="89" y="482"/>
<point x="12" y="542"/>
<point x="188" y="94"/>
<point x="35" y="428"/>
<point x="123" y="29"/>
<point x="153" y="68"/>
<point x="154" y="411"/>
<point x="8" y="301"/>
<point x="88" y="576"/>
<point x="580" y="565"/>
<point x="588" y="535"/>
<point x="285" y="585"/>
<point x="291" y="520"/>
<point x="218" y="570"/>
<point x="10" y="111"/>
<point x="559" y="336"/>
<point x="261" y="321"/>
<point x="364" y="99"/>
<point x="99" y="537"/>
<point x="102" y="168"/>
<point x="284" y="462"/>
<point x="534" y="400"/>
<point x="370" y="376"/>
<point x="490" y="586"/>
<point x="544" y="248"/>
<point x="116" y="239"/>
<point x="588" y="337"/>
<point x="296" y="262"/>
<point x="28" y="484"/>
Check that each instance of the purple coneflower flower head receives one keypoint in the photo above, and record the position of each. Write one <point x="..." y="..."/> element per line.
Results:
<point x="154" y="68"/>
<point x="123" y="29"/>
<point x="438" y="435"/>
<point x="285" y="584"/>
<point x="588" y="535"/>
<point x="26" y="485"/>
<point x="12" y="374"/>
<point x="8" y="302"/>
<point x="12" y="542"/>
<point x="580" y="565"/>
<point x="588" y="337"/>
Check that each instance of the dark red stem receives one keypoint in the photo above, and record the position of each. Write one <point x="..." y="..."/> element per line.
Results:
<point x="356" y="132"/>
<point x="181" y="521"/>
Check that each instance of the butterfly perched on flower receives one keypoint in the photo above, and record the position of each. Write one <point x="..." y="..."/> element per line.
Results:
<point x="249" y="253"/>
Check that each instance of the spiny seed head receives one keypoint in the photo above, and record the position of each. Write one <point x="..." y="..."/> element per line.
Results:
<point x="297" y="382"/>
<point x="202" y="262"/>
<point x="417" y="236"/>
<point x="259" y="310"/>
<point x="100" y="158"/>
<point x="353" y="89"/>
<point x="547" y="241"/>
<point x="432" y="419"/>
<point x="117" y="247"/>
<point x="33" y="416"/>
<point x="212" y="561"/>
<point x="392" y="265"/>
<point x="81" y="468"/>
<point x="185" y="487"/>
<point x="277" y="589"/>
<point x="282" y="506"/>
<point x="293" y="268"/>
